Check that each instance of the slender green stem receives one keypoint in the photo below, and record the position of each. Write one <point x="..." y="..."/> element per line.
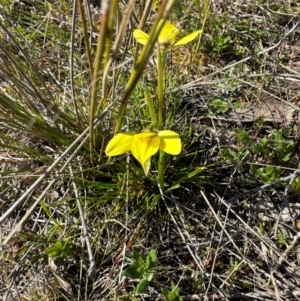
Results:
<point x="96" y="74"/>
<point x="101" y="61"/>
<point x="150" y="107"/>
<point x="160" y="100"/>
<point x="138" y="69"/>
<point x="161" y="170"/>
<point x="160" y="86"/>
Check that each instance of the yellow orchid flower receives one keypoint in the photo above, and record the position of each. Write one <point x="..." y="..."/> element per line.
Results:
<point x="144" y="145"/>
<point x="166" y="37"/>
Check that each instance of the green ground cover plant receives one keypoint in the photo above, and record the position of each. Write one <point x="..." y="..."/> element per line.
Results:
<point x="137" y="162"/>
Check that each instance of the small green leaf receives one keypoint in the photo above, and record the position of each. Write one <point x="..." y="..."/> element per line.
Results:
<point x="171" y="295"/>
<point x="142" y="286"/>
<point x="219" y="105"/>
<point x="58" y="250"/>
<point x="296" y="185"/>
<point x="227" y="153"/>
<point x="139" y="260"/>
<point x="264" y="142"/>
<point x="151" y="260"/>
<point x="243" y="136"/>
<point x="255" y="168"/>
<point x="149" y="276"/>
<point x="133" y="298"/>
<point x="269" y="170"/>
<point x="134" y="272"/>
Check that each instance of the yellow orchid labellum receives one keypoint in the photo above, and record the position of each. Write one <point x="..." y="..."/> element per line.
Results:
<point x="166" y="37"/>
<point x="144" y="145"/>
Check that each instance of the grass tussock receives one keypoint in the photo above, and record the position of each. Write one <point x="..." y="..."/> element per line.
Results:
<point x="216" y="217"/>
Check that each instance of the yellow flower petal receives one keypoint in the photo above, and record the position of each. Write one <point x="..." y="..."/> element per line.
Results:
<point x="144" y="145"/>
<point x="146" y="166"/>
<point x="168" y="34"/>
<point x="119" y="144"/>
<point x="188" y="38"/>
<point x="140" y="36"/>
<point x="170" y="142"/>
